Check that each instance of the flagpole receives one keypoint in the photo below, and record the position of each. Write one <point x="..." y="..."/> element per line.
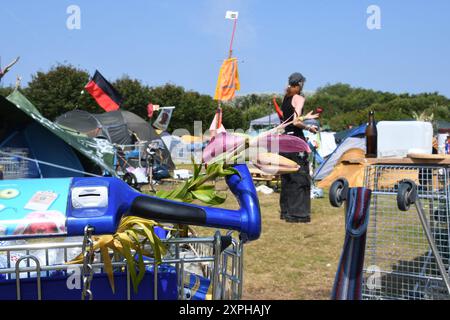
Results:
<point x="230" y="54"/>
<point x="232" y="38"/>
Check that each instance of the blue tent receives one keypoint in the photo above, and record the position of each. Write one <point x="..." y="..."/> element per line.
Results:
<point x="32" y="146"/>
<point x="345" y="143"/>
<point x="42" y="144"/>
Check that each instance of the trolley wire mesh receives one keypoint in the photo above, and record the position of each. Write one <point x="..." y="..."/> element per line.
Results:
<point x="399" y="263"/>
<point x="200" y="256"/>
<point x="14" y="166"/>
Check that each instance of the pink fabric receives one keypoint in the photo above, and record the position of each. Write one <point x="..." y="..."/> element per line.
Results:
<point x="150" y="110"/>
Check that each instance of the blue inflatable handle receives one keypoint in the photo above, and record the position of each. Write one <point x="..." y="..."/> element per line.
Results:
<point x="247" y="219"/>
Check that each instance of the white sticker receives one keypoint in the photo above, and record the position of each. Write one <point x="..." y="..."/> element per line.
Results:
<point x="41" y="201"/>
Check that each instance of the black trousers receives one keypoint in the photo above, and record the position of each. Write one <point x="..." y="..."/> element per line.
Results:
<point x="295" y="197"/>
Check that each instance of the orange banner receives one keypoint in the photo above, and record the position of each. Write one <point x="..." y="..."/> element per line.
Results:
<point x="228" y="81"/>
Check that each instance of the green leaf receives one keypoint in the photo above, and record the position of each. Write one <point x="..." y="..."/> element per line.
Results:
<point x="229" y="171"/>
<point x="209" y="196"/>
<point x="197" y="168"/>
<point x="163" y="193"/>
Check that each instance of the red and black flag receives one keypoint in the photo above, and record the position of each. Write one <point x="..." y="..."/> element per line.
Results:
<point x="104" y="93"/>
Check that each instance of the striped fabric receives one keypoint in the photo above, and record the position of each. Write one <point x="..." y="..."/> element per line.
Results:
<point x="348" y="281"/>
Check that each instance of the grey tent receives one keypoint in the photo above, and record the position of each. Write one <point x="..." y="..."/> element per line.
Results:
<point x="110" y="125"/>
<point x="25" y="133"/>
<point x="146" y="132"/>
<point x="266" y="122"/>
<point x="139" y="126"/>
<point x="116" y="126"/>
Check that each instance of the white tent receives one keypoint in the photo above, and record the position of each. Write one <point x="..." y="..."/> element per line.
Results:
<point x="264" y="123"/>
<point x="180" y="151"/>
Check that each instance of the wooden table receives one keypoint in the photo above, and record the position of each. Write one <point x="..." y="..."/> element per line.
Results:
<point x="411" y="159"/>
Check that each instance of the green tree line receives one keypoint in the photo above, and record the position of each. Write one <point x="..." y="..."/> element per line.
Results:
<point x="58" y="90"/>
<point x="344" y="105"/>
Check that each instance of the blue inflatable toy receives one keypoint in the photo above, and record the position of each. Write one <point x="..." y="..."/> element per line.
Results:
<point x="52" y="207"/>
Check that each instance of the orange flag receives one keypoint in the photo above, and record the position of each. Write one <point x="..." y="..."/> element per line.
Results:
<point x="228" y="81"/>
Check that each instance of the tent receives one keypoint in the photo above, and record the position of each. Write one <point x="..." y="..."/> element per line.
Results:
<point x="347" y="166"/>
<point x="85" y="123"/>
<point x="24" y="132"/>
<point x="328" y="165"/>
<point x="264" y="123"/>
<point x="182" y="151"/>
<point x="110" y="125"/>
<point x="353" y="138"/>
<point x="146" y="132"/>
<point x="357" y="131"/>
<point x="116" y="126"/>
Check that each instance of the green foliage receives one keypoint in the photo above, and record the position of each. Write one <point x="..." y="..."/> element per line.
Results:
<point x="135" y="95"/>
<point x="233" y="118"/>
<point x="5" y="91"/>
<point x="58" y="90"/>
<point x="195" y="187"/>
<point x="344" y="105"/>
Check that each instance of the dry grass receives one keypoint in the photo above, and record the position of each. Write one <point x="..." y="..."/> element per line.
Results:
<point x="292" y="261"/>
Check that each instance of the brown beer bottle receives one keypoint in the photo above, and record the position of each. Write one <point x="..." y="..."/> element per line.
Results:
<point x="371" y="137"/>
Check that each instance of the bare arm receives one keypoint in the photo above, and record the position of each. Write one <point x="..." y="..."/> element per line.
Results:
<point x="298" y="103"/>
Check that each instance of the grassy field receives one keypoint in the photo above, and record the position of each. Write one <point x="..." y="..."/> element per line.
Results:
<point x="292" y="261"/>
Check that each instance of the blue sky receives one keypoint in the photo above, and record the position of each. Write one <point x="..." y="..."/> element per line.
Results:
<point x="184" y="41"/>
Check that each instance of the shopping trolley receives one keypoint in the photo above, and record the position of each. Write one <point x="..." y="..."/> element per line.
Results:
<point x="408" y="251"/>
<point x="33" y="266"/>
<point x="12" y="165"/>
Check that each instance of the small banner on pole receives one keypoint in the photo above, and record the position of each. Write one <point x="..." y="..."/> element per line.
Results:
<point x="232" y="15"/>
<point x="163" y="120"/>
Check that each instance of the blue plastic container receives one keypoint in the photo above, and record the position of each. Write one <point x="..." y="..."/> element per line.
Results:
<point x="55" y="287"/>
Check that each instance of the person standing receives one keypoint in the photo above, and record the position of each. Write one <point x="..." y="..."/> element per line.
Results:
<point x="295" y="197"/>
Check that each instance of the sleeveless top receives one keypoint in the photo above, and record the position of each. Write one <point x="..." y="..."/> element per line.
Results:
<point x="288" y="111"/>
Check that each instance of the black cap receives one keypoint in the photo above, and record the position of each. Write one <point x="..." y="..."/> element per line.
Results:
<point x="296" y="78"/>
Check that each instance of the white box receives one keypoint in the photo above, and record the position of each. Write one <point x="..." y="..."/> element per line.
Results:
<point x="182" y="174"/>
<point x="398" y="138"/>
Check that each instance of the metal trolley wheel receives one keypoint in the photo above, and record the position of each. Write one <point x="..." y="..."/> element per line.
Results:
<point x="338" y="192"/>
<point x="406" y="194"/>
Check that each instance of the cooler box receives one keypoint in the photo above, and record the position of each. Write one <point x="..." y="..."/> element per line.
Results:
<point x="398" y="138"/>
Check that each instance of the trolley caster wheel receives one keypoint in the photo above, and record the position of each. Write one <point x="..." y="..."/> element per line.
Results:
<point x="406" y="194"/>
<point x="130" y="179"/>
<point x="338" y="192"/>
